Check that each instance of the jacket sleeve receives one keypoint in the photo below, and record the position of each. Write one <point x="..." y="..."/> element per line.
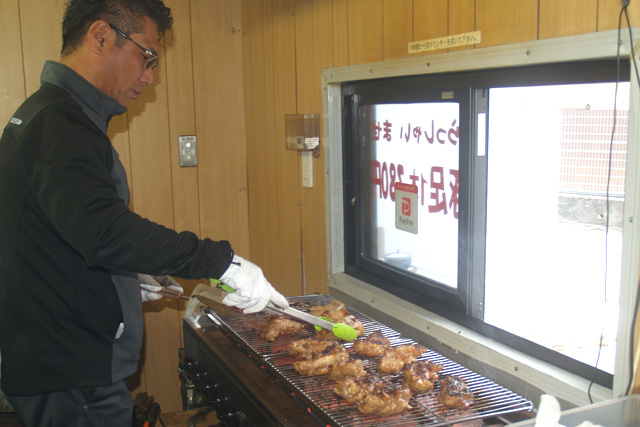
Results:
<point x="67" y="163"/>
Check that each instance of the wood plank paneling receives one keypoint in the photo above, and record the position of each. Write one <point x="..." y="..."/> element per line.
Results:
<point x="181" y="104"/>
<point x="41" y="26"/>
<point x="288" y="275"/>
<point x="340" y="33"/>
<point x="461" y="19"/>
<point x="220" y="126"/>
<point x="365" y="31"/>
<point x="513" y="24"/>
<point x="312" y="199"/>
<point x="11" y="67"/>
<point x="397" y="28"/>
<point x="609" y="14"/>
<point x="261" y="149"/>
<point x="567" y="17"/>
<point x="430" y="20"/>
<point x="304" y="44"/>
<point x="314" y="237"/>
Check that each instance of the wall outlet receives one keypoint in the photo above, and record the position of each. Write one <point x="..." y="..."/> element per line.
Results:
<point x="188" y="151"/>
<point x="307" y="169"/>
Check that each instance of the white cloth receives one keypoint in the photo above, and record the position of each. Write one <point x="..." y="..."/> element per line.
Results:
<point x="150" y="285"/>
<point x="549" y="413"/>
<point x="252" y="290"/>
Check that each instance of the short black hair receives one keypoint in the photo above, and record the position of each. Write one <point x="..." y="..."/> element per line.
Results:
<point x="127" y="15"/>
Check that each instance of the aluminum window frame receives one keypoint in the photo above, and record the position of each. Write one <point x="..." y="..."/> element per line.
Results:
<point x="590" y="46"/>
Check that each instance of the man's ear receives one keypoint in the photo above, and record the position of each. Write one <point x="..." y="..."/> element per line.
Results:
<point x="99" y="32"/>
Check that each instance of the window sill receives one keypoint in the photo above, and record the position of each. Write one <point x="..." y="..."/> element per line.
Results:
<point x="523" y="374"/>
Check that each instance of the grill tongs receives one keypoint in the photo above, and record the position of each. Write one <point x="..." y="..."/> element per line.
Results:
<point x="340" y="330"/>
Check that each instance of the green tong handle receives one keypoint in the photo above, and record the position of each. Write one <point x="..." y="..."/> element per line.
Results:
<point x="221" y="285"/>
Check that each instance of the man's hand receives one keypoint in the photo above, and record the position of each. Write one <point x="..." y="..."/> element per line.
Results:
<point x="253" y="291"/>
<point x="150" y="285"/>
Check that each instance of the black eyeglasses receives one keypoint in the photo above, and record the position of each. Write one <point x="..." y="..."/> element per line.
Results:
<point x="151" y="58"/>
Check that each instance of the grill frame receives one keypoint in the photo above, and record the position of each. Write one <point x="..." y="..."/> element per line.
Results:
<point x="491" y="399"/>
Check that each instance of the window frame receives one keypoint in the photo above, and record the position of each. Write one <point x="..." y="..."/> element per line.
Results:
<point x="574" y="48"/>
<point x="471" y="91"/>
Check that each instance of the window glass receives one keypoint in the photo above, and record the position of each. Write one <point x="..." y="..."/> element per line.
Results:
<point x="411" y="171"/>
<point x="552" y="264"/>
<point x="517" y="231"/>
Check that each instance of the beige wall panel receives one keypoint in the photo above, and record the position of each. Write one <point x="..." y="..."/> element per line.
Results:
<point x="41" y="23"/>
<point x="461" y="18"/>
<point x="180" y="98"/>
<point x="220" y="126"/>
<point x="313" y="203"/>
<point x="312" y="206"/>
<point x="305" y="70"/>
<point x="261" y="150"/>
<point x="272" y="235"/>
<point x="288" y="275"/>
<point x="365" y="31"/>
<point x="251" y="96"/>
<point x="506" y="21"/>
<point x="609" y="14"/>
<point x="340" y="33"/>
<point x="430" y="20"/>
<point x="397" y="28"/>
<point x="568" y="17"/>
<point x="11" y="70"/>
<point x="323" y="47"/>
<point x="178" y="70"/>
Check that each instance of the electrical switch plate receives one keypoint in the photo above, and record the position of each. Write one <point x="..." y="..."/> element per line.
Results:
<point x="307" y="169"/>
<point x="188" y="151"/>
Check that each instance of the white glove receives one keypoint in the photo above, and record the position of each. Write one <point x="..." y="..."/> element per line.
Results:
<point x="253" y="291"/>
<point x="150" y="285"/>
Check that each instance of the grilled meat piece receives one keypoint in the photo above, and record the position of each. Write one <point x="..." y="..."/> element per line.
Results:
<point x="397" y="357"/>
<point x="420" y="376"/>
<point x="389" y="401"/>
<point x="309" y="348"/>
<point x="354" y="368"/>
<point x="375" y="344"/>
<point x="280" y="325"/>
<point x="354" y="390"/>
<point x="320" y="365"/>
<point x="455" y="393"/>
<point x="334" y="310"/>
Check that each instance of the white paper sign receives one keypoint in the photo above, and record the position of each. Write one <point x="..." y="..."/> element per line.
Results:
<point x="407" y="207"/>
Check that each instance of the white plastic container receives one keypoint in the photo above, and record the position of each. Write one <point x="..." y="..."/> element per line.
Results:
<point x="620" y="412"/>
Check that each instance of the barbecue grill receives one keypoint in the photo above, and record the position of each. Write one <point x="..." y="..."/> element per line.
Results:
<point x="225" y="364"/>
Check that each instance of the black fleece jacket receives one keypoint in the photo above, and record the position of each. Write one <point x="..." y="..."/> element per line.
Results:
<point x="63" y="232"/>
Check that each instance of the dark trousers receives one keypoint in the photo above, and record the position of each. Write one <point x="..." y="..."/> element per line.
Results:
<point x="110" y="406"/>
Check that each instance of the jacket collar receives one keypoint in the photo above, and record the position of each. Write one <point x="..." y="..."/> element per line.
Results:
<point x="95" y="104"/>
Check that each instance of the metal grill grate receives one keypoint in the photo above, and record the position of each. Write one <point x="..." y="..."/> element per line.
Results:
<point x="491" y="399"/>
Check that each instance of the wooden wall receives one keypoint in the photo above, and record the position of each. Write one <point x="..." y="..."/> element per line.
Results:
<point x="233" y="70"/>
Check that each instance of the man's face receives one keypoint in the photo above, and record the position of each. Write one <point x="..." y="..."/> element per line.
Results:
<point x="127" y="71"/>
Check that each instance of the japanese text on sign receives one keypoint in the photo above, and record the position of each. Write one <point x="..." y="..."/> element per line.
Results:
<point x="387" y="176"/>
<point x="446" y="42"/>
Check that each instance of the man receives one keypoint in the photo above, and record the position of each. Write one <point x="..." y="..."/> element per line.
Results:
<point x="72" y="255"/>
